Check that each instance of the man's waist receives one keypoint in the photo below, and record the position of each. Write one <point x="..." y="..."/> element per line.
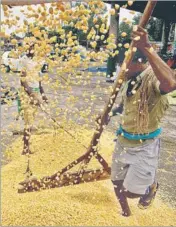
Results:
<point x="137" y="136"/>
<point x="35" y="89"/>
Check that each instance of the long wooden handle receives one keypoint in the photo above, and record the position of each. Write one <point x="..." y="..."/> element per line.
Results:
<point x="118" y="83"/>
<point x="26" y="2"/>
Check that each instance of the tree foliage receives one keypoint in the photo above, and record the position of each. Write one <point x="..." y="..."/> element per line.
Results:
<point x="82" y="36"/>
<point x="154" y="28"/>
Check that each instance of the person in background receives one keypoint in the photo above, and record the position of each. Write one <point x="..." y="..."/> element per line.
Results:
<point x="172" y="62"/>
<point x="32" y="93"/>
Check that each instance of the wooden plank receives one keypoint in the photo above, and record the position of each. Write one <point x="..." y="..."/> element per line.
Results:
<point x="28" y="2"/>
<point x="66" y="179"/>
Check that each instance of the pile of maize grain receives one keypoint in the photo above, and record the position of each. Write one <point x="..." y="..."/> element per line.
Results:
<point x="89" y="204"/>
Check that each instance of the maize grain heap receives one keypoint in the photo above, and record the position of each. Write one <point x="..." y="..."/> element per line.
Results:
<point x="51" y="27"/>
<point x="89" y="204"/>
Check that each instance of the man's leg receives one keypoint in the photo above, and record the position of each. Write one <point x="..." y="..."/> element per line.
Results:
<point x="118" y="174"/>
<point x="29" y="115"/>
<point x="119" y="171"/>
<point x="121" y="196"/>
<point x="131" y="195"/>
<point x="147" y="199"/>
<point x="26" y="138"/>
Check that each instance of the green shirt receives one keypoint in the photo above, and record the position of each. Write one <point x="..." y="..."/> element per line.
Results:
<point x="157" y="105"/>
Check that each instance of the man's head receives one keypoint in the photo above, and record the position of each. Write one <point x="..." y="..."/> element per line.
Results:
<point x="30" y="51"/>
<point x="137" y="65"/>
<point x="29" y="46"/>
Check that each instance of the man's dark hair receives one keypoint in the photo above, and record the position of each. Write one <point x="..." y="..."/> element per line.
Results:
<point x="29" y="54"/>
<point x="137" y="56"/>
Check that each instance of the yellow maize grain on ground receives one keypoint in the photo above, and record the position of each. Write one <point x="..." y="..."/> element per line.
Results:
<point x="89" y="204"/>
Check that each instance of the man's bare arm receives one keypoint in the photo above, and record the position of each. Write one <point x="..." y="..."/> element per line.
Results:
<point x="27" y="88"/>
<point x="162" y="71"/>
<point x="25" y="84"/>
